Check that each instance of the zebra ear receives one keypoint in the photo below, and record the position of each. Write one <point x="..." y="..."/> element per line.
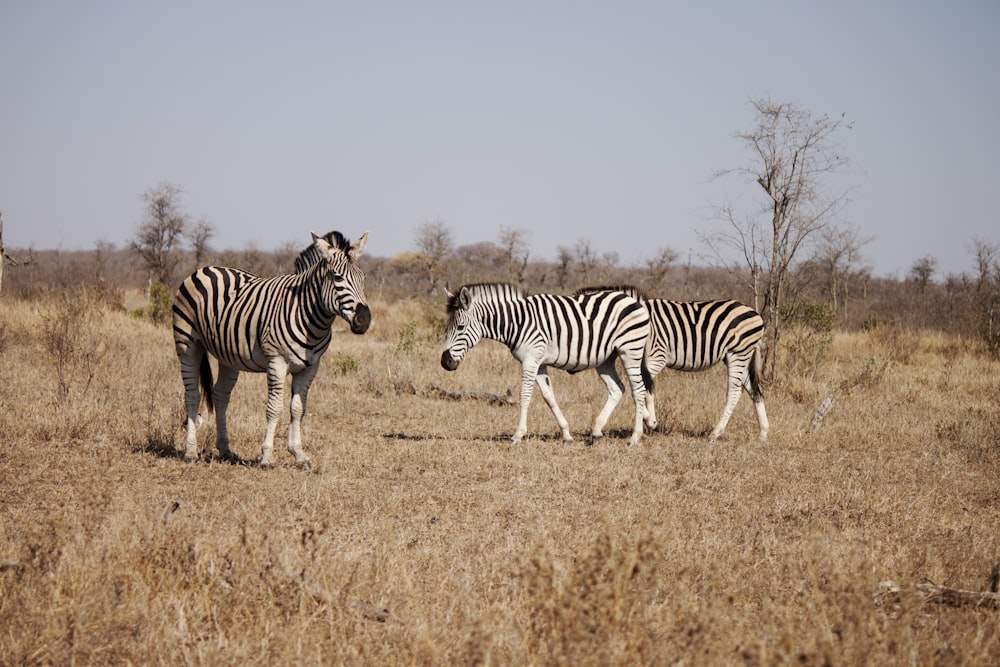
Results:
<point x="448" y="292"/>
<point x="359" y="246"/>
<point x="321" y="243"/>
<point x="464" y="297"/>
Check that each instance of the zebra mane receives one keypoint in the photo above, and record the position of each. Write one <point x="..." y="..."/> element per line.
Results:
<point x="631" y="290"/>
<point x="311" y="254"/>
<point x="493" y="291"/>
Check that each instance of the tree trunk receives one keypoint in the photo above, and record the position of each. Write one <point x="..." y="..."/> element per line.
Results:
<point x="774" y="292"/>
<point x="3" y="255"/>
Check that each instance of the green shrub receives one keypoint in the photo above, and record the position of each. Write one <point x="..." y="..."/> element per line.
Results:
<point x="161" y="303"/>
<point x="343" y="363"/>
<point x="409" y="337"/>
<point x="808" y="336"/>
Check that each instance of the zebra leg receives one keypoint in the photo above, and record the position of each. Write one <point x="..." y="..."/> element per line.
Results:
<point x="277" y="369"/>
<point x="633" y="368"/>
<point x="653" y="368"/>
<point x="190" y="357"/>
<point x="545" y="386"/>
<point x="220" y="395"/>
<point x="735" y="378"/>
<point x="752" y="387"/>
<point x="300" y="391"/>
<point x="651" y="411"/>
<point x="758" y="403"/>
<point x="615" y="391"/>
<point x="529" y="371"/>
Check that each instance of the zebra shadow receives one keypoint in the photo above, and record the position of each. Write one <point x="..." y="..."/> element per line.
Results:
<point x="159" y="447"/>
<point x="433" y="437"/>
<point x="498" y="438"/>
<point x="166" y="449"/>
<point x="582" y="437"/>
<point x="662" y="429"/>
<point x="413" y="437"/>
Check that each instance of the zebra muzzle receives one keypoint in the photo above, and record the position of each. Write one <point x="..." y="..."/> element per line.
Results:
<point x="362" y="319"/>
<point x="448" y="362"/>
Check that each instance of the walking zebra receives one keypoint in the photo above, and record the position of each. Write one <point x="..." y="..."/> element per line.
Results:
<point x="275" y="325"/>
<point x="696" y="335"/>
<point x="569" y="332"/>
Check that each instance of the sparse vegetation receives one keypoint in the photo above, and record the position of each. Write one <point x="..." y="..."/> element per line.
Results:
<point x="69" y="323"/>
<point x="807" y="336"/>
<point x="422" y="537"/>
<point x="343" y="363"/>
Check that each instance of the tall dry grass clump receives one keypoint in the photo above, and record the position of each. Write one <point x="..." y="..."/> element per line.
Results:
<point x="422" y="537"/>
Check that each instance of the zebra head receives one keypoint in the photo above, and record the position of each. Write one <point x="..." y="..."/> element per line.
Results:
<point x="474" y="312"/>
<point x="343" y="289"/>
<point x="464" y="328"/>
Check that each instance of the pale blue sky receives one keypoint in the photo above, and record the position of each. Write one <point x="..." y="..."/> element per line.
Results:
<point x="576" y="120"/>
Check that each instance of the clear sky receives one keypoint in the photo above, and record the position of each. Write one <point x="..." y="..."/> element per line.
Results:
<point x="601" y="121"/>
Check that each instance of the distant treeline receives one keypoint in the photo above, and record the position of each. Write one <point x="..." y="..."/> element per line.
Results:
<point x="967" y="304"/>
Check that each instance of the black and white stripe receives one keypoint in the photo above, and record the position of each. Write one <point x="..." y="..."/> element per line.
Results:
<point x="275" y="325"/>
<point x="569" y="332"/>
<point x="696" y="335"/>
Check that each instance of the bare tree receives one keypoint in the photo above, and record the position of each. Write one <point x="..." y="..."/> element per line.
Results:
<point x="6" y="259"/>
<point x="3" y="254"/>
<point x="515" y="245"/>
<point x="564" y="259"/>
<point x="987" y="258"/>
<point x="586" y="260"/>
<point x="922" y="270"/>
<point x="435" y="244"/>
<point x="659" y="266"/>
<point x="160" y="233"/>
<point x="102" y="259"/>
<point x="986" y="295"/>
<point x="838" y="256"/>
<point x="199" y="235"/>
<point x="793" y="153"/>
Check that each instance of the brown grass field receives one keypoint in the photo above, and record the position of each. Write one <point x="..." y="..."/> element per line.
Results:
<point x="421" y="536"/>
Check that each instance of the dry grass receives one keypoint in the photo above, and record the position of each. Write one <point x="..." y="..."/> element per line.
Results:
<point x="422" y="537"/>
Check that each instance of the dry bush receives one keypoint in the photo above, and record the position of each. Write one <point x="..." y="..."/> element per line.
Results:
<point x="422" y="537"/>
<point x="70" y="319"/>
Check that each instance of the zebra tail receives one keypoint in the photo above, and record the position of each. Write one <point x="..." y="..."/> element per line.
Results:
<point x="206" y="382"/>
<point x="755" y="393"/>
<point x="647" y="378"/>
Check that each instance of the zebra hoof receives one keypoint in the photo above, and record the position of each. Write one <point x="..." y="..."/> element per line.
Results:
<point x="267" y="465"/>
<point x="304" y="465"/>
<point x="190" y="458"/>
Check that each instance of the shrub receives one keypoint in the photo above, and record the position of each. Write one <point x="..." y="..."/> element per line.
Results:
<point x="409" y="337"/>
<point x="161" y="304"/>
<point x="69" y="334"/>
<point x="343" y="363"/>
<point x="808" y="336"/>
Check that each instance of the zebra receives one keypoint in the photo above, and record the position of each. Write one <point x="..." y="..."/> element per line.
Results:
<point x="696" y="335"/>
<point x="275" y="325"/>
<point x="569" y="332"/>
